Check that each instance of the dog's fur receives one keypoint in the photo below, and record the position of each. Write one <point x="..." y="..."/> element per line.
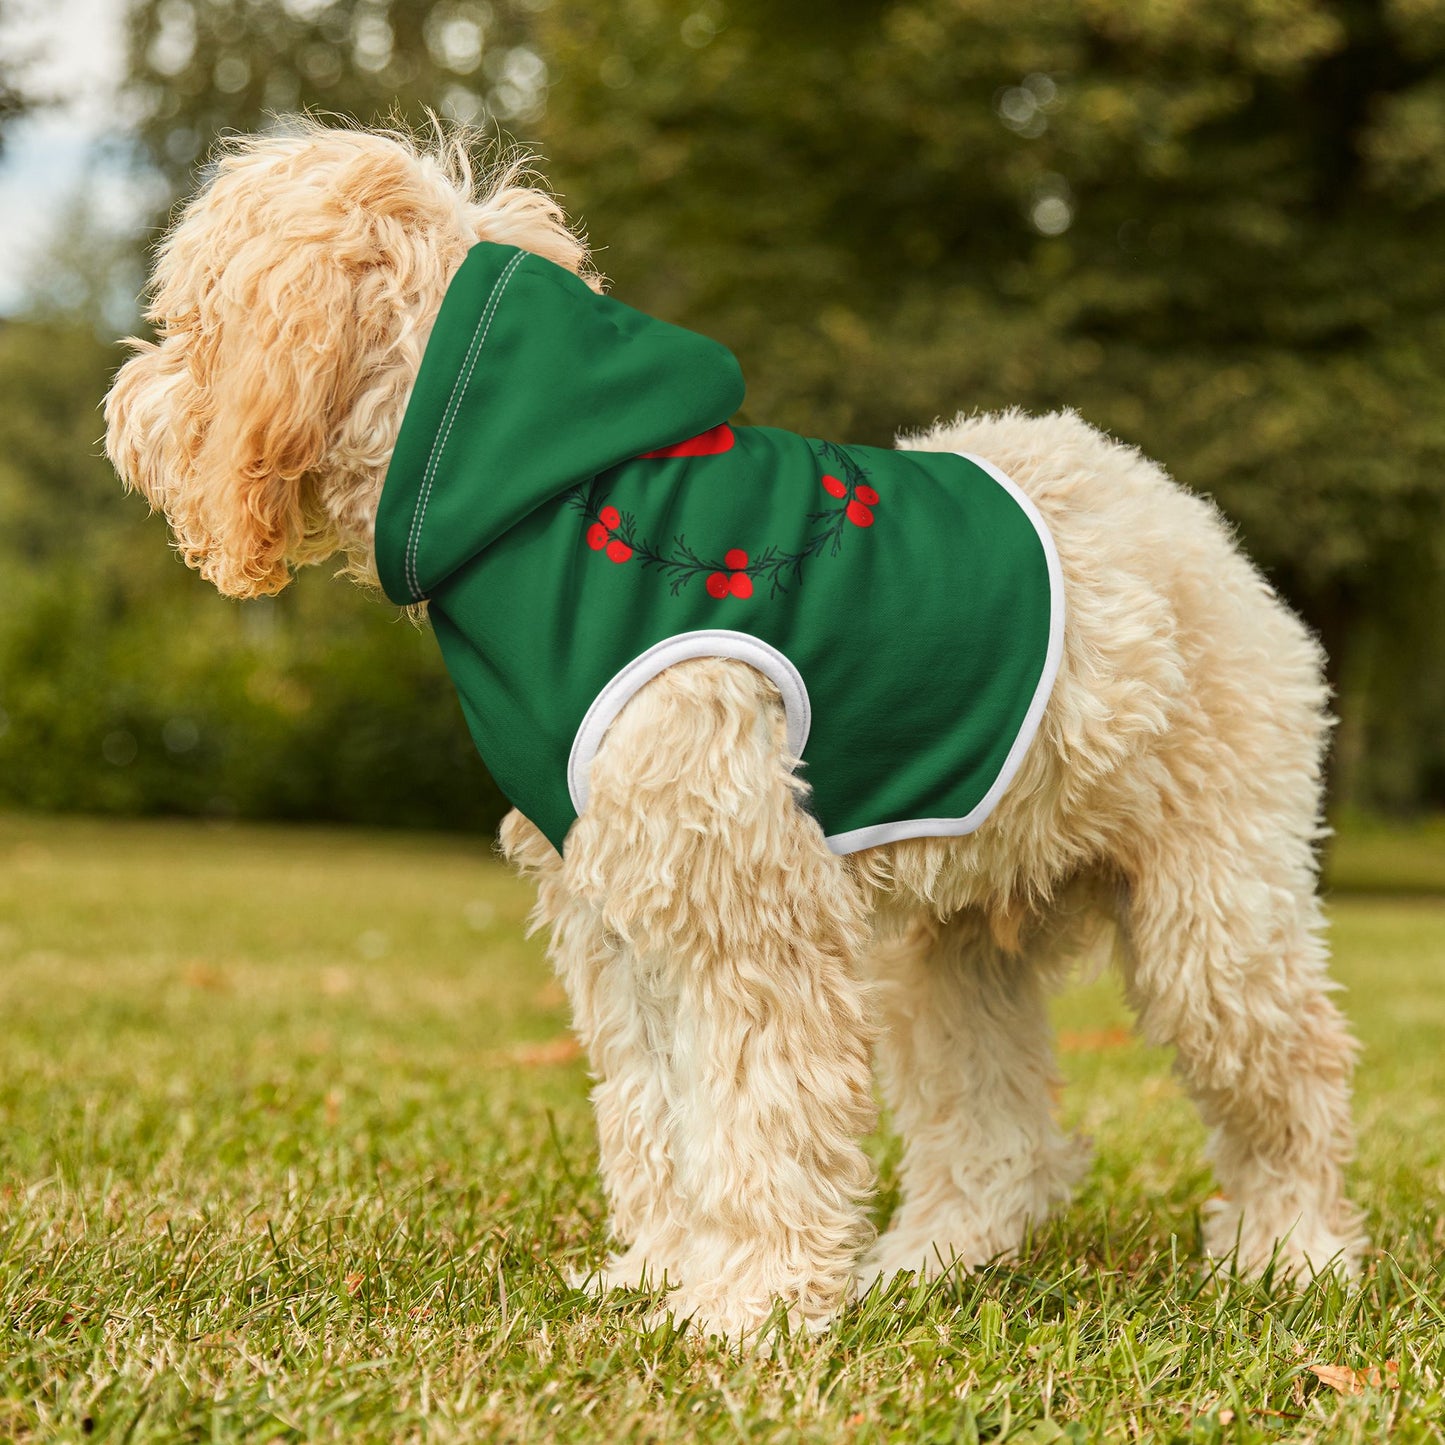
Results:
<point x="729" y="976"/>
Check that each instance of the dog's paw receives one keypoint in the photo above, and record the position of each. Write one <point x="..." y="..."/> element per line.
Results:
<point x="965" y="1228"/>
<point x="1297" y="1245"/>
<point x="897" y="1253"/>
<point x="632" y="1270"/>
<point x="753" y="1324"/>
<point x="959" y="1242"/>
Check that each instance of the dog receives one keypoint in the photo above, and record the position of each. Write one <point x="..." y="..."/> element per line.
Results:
<point x="732" y="977"/>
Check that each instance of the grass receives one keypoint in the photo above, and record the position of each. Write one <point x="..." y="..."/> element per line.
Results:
<point x="292" y="1147"/>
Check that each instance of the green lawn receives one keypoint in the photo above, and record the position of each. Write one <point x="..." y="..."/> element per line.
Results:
<point x="292" y="1147"/>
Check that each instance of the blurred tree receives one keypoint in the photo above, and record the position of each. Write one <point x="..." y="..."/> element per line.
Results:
<point x="58" y="496"/>
<point x="15" y="98"/>
<point x="1216" y="227"/>
<point x="127" y="685"/>
<point x="202" y="67"/>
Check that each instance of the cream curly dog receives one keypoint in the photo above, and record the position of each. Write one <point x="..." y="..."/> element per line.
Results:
<point x="731" y="977"/>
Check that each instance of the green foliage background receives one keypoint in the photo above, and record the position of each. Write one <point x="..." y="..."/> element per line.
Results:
<point x="1215" y="228"/>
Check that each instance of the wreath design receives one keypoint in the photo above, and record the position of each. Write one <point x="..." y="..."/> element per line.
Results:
<point x="617" y="536"/>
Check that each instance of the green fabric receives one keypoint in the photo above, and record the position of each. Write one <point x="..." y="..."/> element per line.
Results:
<point x="911" y="592"/>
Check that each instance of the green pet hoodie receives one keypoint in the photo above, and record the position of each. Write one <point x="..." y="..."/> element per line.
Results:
<point x="569" y="497"/>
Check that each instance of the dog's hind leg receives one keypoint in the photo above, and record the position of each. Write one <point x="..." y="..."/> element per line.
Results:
<point x="1225" y="961"/>
<point x="1224" y="950"/>
<point x="966" y="1059"/>
<point x="743" y="930"/>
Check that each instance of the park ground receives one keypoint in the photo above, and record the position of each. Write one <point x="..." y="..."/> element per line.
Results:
<point x="294" y="1146"/>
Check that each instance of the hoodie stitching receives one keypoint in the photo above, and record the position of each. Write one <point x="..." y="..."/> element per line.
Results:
<point x="474" y="350"/>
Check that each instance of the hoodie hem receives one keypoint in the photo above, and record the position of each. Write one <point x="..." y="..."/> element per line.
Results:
<point x="686" y="647"/>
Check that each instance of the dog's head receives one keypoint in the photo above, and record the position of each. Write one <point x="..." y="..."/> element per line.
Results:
<point x="292" y="300"/>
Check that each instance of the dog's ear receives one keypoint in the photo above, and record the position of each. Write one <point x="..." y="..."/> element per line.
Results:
<point x="288" y="285"/>
<point x="278" y="354"/>
<point x="143" y="411"/>
<point x="222" y="423"/>
<point x="292" y="301"/>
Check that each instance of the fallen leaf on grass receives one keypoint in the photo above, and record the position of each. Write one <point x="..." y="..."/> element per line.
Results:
<point x="202" y="975"/>
<point x="1347" y="1381"/>
<point x="1101" y="1039"/>
<point x="354" y="1283"/>
<point x="551" y="995"/>
<point x="554" y="1051"/>
<point x="335" y="982"/>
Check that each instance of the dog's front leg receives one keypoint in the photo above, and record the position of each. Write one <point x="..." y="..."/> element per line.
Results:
<point x="739" y="930"/>
<point x="622" y="1013"/>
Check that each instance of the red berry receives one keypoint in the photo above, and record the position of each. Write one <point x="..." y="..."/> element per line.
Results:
<point x="740" y="584"/>
<point x="610" y="517"/>
<point x="597" y="536"/>
<point x="866" y="495"/>
<point x="834" y="487"/>
<point x="709" y="443"/>
<point x="717" y="585"/>
<point x="618" y="550"/>
<point x="859" y="515"/>
<point x="736" y="560"/>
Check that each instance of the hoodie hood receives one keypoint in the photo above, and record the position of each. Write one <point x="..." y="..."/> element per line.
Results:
<point x="531" y="385"/>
